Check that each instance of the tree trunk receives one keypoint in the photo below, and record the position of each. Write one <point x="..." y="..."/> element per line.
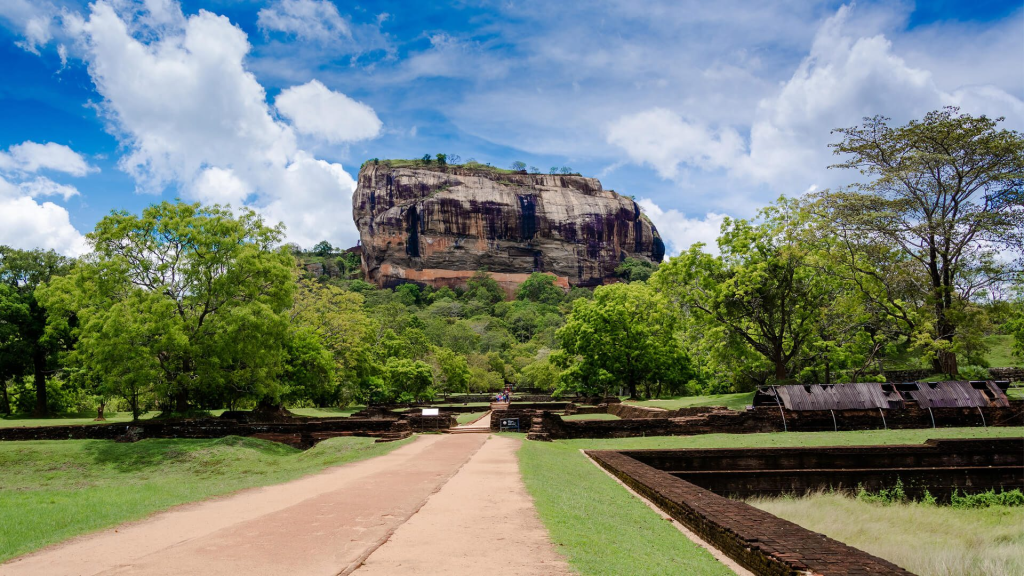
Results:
<point x="99" y="412"/>
<point x="39" y="375"/>
<point x="632" y="390"/>
<point x="181" y="401"/>
<point x="5" y="407"/>
<point x="780" y="368"/>
<point x="945" y="362"/>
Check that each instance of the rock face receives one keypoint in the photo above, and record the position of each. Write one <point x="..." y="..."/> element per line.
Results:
<point x="437" y="226"/>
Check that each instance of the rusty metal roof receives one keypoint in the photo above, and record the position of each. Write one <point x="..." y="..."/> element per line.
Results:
<point x="954" y="394"/>
<point x="874" y="395"/>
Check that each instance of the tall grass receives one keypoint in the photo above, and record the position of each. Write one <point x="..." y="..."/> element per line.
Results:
<point x="926" y="539"/>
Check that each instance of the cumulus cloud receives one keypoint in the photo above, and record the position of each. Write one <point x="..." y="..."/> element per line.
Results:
<point x="26" y="223"/>
<point x="34" y="20"/>
<point x="316" y="20"/>
<point x="32" y="156"/>
<point x="315" y="110"/>
<point x="663" y="139"/>
<point x="191" y="115"/>
<point x="680" y="232"/>
<point x="845" y="77"/>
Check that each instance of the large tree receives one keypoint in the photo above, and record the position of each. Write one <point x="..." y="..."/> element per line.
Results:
<point x="27" y="347"/>
<point x="947" y="194"/>
<point x="761" y="294"/>
<point x="188" y="300"/>
<point x="625" y="336"/>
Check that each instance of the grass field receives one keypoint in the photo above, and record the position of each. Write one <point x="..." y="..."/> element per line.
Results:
<point x="1001" y="352"/>
<point x="53" y="490"/>
<point x="326" y="412"/>
<point x="76" y="419"/>
<point x="734" y="401"/>
<point x="591" y="417"/>
<point x="467" y="417"/>
<point x="603" y="530"/>
<point x="943" y="541"/>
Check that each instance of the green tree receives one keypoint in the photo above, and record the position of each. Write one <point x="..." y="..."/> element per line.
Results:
<point x="518" y="166"/>
<point x="442" y="159"/>
<point x="198" y="295"/>
<point x="625" y="336"/>
<point x="408" y="380"/>
<point x="946" y="194"/>
<point x="336" y="320"/>
<point x="323" y="248"/>
<point x="27" y="346"/>
<point x="635" y="269"/>
<point x="540" y="287"/>
<point x="482" y="287"/>
<point x="425" y="159"/>
<point x="760" y="293"/>
<point x="451" y="371"/>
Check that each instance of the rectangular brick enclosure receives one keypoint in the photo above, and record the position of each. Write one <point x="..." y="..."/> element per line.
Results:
<point x="692" y="486"/>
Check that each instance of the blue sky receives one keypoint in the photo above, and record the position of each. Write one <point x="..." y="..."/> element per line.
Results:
<point x="698" y="109"/>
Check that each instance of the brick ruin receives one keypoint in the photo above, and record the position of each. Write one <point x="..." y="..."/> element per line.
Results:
<point x="695" y="488"/>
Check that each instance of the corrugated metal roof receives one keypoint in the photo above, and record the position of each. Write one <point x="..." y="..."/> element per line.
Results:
<point x="955" y="394"/>
<point x="874" y="395"/>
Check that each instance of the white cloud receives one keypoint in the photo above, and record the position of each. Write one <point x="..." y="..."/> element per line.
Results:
<point x="332" y="116"/>
<point x="316" y="20"/>
<point x="34" y="20"/>
<point x="220" y="186"/>
<point x="846" y="76"/>
<point x="32" y="157"/>
<point x="42" y="186"/>
<point x="663" y="140"/>
<point x="680" y="232"/>
<point x="26" y="224"/>
<point x="192" y="115"/>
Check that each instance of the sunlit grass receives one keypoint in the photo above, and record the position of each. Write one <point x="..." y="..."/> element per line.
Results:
<point x="926" y="539"/>
<point x="53" y="490"/>
<point x="733" y="401"/>
<point x="602" y="529"/>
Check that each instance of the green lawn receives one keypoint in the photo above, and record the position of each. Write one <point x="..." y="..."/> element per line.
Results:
<point x="53" y="490"/>
<point x="75" y="419"/>
<point x="1001" y="353"/>
<point x="326" y="412"/>
<point x="602" y="529"/>
<point x="467" y="417"/>
<point x="734" y="401"/>
<point x="591" y="417"/>
<point x="946" y="541"/>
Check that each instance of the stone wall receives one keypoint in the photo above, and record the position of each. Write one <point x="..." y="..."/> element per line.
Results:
<point x="939" y="466"/>
<point x="774" y="419"/>
<point x="298" y="433"/>
<point x="761" y="542"/>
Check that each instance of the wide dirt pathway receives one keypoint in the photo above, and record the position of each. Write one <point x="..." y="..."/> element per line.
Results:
<point x="332" y="522"/>
<point x="481" y="522"/>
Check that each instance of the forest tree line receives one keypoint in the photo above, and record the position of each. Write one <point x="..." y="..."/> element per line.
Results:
<point x="188" y="307"/>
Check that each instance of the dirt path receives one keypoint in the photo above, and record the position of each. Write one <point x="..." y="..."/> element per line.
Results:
<point x="481" y="522"/>
<point x="478" y="517"/>
<point x="322" y="524"/>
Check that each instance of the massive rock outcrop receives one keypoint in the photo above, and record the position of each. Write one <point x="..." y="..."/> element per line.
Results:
<point x="438" y="225"/>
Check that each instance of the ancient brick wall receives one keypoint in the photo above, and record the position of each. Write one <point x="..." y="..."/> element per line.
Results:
<point x="761" y="542"/>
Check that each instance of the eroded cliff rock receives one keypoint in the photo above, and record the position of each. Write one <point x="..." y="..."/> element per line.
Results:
<point x="437" y="226"/>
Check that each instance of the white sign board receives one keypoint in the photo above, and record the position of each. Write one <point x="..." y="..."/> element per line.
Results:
<point x="430" y="412"/>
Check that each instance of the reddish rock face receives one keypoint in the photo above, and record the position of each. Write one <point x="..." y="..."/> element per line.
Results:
<point x="437" y="226"/>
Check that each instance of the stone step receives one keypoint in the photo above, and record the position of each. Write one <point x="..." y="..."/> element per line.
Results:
<point x="473" y="430"/>
<point x="541" y="436"/>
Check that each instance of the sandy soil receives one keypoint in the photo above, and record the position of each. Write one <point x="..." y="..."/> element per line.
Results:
<point x="481" y="522"/>
<point x="322" y="524"/>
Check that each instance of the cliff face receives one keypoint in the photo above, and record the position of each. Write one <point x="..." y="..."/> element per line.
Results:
<point x="438" y="227"/>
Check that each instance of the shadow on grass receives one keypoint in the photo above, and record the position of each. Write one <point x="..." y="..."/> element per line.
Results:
<point x="153" y="453"/>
